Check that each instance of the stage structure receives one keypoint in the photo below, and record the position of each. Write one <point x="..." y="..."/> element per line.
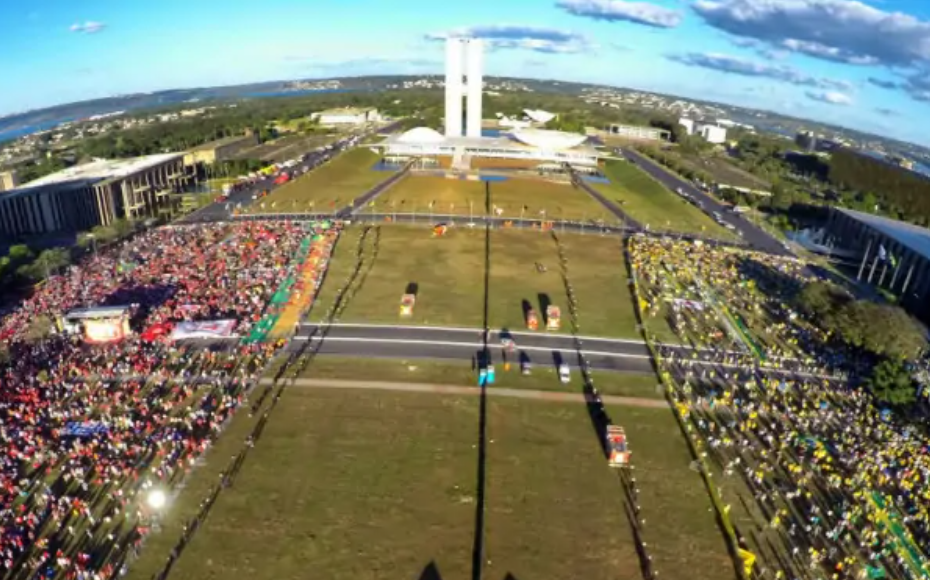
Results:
<point x="98" y="325"/>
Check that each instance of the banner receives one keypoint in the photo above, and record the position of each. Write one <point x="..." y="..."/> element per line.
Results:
<point x="688" y="303"/>
<point x="105" y="330"/>
<point x="204" y="329"/>
<point x="84" y="429"/>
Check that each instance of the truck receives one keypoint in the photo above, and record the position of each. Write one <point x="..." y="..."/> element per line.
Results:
<point x="618" y="453"/>
<point x="553" y="317"/>
<point x="407" y="302"/>
<point x="532" y="320"/>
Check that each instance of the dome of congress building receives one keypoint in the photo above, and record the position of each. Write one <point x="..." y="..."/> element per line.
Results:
<point x="550" y="140"/>
<point x="421" y="135"/>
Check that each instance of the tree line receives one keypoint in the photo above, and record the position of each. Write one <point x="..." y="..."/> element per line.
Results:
<point x="888" y="337"/>
<point x="23" y="266"/>
<point x="899" y="193"/>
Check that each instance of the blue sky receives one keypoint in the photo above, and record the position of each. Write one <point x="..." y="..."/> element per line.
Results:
<point x="860" y="64"/>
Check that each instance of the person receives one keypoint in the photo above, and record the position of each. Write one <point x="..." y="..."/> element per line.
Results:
<point x="157" y="406"/>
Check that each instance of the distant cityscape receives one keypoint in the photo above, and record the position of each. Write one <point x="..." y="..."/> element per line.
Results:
<point x="21" y="133"/>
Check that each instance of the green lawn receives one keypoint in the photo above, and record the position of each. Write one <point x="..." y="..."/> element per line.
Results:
<point x="649" y="202"/>
<point x="449" y="273"/>
<point x="383" y="485"/>
<point x="531" y="198"/>
<point x="722" y="171"/>
<point x="544" y="377"/>
<point x="681" y="529"/>
<point x="333" y="185"/>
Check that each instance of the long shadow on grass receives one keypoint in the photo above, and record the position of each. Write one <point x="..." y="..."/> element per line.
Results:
<point x="484" y="357"/>
<point x="600" y="420"/>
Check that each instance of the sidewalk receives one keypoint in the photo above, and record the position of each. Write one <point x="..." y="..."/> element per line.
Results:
<point x="552" y="396"/>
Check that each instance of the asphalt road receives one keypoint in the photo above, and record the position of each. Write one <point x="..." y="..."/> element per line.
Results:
<point x="467" y="351"/>
<point x="418" y="342"/>
<point x="611" y="207"/>
<point x="753" y="235"/>
<point x="222" y="210"/>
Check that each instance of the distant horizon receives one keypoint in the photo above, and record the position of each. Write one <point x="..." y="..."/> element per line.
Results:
<point x="8" y="134"/>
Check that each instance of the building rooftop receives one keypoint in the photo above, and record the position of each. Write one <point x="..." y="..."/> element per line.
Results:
<point x="534" y="139"/>
<point x="101" y="169"/>
<point x="915" y="238"/>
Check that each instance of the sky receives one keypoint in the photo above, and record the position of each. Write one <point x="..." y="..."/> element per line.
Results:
<point x="864" y="65"/>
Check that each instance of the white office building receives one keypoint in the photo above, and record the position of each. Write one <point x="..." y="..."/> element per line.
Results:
<point x="462" y="141"/>
<point x="347" y="116"/>
<point x="464" y="56"/>
<point x="688" y="124"/>
<point x="712" y="133"/>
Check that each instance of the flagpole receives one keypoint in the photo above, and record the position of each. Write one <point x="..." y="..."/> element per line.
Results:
<point x="872" y="270"/>
<point x="864" y="258"/>
<point x="907" y="280"/>
<point x="894" y="276"/>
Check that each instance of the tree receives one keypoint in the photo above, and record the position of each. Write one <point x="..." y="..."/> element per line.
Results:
<point x="104" y="234"/>
<point x="890" y="383"/>
<point x="123" y="228"/>
<point x="46" y="263"/>
<point x="39" y="328"/>
<point x="881" y="329"/>
<point x="20" y="253"/>
<point x="820" y="299"/>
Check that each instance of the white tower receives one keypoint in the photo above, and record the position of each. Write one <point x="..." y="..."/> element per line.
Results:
<point x="454" y="87"/>
<point x="464" y="55"/>
<point x="475" y="71"/>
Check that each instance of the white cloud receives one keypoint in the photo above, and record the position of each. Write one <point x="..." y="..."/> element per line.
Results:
<point x="830" y="97"/>
<point x="839" y="30"/>
<point x="89" y="27"/>
<point x="749" y="68"/>
<point x="533" y="38"/>
<point x="844" y="31"/>
<point x="623" y="11"/>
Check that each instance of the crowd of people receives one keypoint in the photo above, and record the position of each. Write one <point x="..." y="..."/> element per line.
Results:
<point x="834" y="486"/>
<point x="90" y="430"/>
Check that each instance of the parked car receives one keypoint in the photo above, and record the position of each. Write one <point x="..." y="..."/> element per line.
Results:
<point x="565" y="374"/>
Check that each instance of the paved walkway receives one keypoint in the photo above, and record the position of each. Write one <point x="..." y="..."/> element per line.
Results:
<point x="554" y="396"/>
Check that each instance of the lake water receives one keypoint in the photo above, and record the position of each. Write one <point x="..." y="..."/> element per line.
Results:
<point x="386" y="166"/>
<point x="8" y="134"/>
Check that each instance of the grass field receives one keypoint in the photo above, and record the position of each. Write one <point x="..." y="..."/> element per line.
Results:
<point x="334" y="184"/>
<point x="383" y="485"/>
<point x="463" y="197"/>
<point x="649" y="202"/>
<point x="449" y="274"/>
<point x="544" y="377"/>
<point x="724" y="172"/>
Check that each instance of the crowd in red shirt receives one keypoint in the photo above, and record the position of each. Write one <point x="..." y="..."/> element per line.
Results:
<point x="72" y="505"/>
